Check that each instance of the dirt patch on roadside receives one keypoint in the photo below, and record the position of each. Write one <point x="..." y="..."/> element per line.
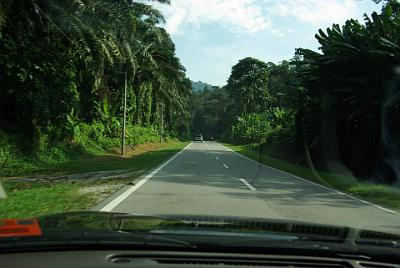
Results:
<point x="101" y="192"/>
<point x="100" y="188"/>
<point x="86" y="176"/>
<point x="133" y="150"/>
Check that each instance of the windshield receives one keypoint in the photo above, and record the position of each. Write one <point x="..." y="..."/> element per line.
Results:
<point x="282" y="111"/>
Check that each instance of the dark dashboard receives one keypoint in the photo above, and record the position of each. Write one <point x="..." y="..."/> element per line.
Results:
<point x="149" y="259"/>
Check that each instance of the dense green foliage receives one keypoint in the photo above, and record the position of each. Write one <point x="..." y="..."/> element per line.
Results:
<point x="336" y="109"/>
<point x="248" y="86"/>
<point x="351" y="89"/>
<point x="211" y="110"/>
<point x="63" y="64"/>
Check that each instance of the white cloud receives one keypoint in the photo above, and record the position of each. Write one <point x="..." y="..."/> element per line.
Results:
<point x="175" y="20"/>
<point x="277" y="32"/>
<point x="235" y="15"/>
<point x="316" y="12"/>
<point x="252" y="16"/>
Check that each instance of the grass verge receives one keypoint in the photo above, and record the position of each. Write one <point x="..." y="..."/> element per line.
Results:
<point x="32" y="198"/>
<point x="141" y="158"/>
<point x="19" y="155"/>
<point x="377" y="193"/>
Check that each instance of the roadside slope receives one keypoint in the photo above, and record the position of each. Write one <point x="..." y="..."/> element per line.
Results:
<point x="79" y="185"/>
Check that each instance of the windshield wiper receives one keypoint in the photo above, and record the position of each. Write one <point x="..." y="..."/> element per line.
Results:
<point x="150" y="238"/>
<point x="81" y="239"/>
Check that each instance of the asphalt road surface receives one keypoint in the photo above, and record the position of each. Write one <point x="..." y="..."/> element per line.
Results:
<point x="209" y="179"/>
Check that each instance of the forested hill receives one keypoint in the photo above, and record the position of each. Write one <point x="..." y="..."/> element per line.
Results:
<point x="63" y="66"/>
<point x="199" y="85"/>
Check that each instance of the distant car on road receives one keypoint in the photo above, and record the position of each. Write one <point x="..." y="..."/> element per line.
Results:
<point x="198" y="137"/>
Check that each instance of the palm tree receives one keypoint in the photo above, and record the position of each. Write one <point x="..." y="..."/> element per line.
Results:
<point x="91" y="42"/>
<point x="349" y="79"/>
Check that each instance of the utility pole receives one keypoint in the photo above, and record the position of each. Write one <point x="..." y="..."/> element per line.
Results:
<point x="124" y="116"/>
<point x="162" y="123"/>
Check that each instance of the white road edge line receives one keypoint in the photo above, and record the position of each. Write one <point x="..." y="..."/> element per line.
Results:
<point x="110" y="206"/>
<point x="313" y="183"/>
<point x="225" y="166"/>
<point x="248" y="185"/>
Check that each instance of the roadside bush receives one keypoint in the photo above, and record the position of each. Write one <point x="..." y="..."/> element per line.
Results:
<point x="11" y="157"/>
<point x="251" y="128"/>
<point x="281" y="142"/>
<point x="86" y="140"/>
<point x="138" y="135"/>
<point x="8" y="150"/>
<point x="281" y="118"/>
<point x="263" y="126"/>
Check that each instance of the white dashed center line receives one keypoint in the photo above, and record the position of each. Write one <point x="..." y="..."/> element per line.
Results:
<point x="225" y="166"/>
<point x="217" y="158"/>
<point x="248" y="185"/>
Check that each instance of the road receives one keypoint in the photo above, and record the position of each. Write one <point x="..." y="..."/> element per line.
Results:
<point x="210" y="179"/>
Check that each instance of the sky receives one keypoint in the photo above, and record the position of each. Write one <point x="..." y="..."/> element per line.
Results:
<point x="213" y="35"/>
